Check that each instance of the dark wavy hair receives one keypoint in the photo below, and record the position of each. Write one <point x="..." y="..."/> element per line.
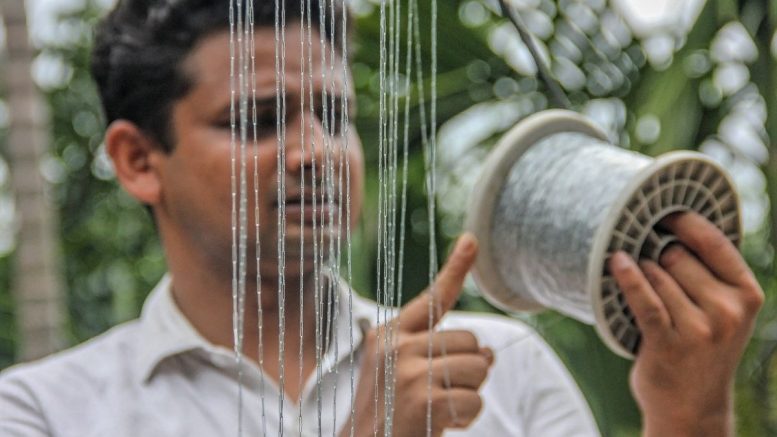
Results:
<point x="140" y="45"/>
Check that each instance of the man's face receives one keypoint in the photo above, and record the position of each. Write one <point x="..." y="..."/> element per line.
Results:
<point x="196" y="204"/>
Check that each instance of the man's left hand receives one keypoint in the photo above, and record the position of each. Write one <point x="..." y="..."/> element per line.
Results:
<point x="696" y="311"/>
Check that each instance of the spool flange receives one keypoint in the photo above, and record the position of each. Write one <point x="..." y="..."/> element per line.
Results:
<point x="674" y="182"/>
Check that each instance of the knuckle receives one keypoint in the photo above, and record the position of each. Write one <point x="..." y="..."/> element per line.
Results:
<point x="417" y="403"/>
<point x="457" y="411"/>
<point x="730" y="315"/>
<point x="371" y="343"/>
<point x="651" y="315"/>
<point x="404" y="345"/>
<point x="408" y="374"/>
<point x="371" y="337"/>
<point x="471" y="408"/>
<point x="744" y="276"/>
<point x="477" y="405"/>
<point x="468" y="338"/>
<point x="440" y="400"/>
<point x="753" y="298"/>
<point x="481" y="370"/>
<point x="703" y="332"/>
<point x="723" y="331"/>
<point x="712" y="242"/>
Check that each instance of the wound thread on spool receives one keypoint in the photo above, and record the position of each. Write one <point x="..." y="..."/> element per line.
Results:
<point x="556" y="200"/>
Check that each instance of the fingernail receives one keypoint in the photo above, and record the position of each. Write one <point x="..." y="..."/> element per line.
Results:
<point x="466" y="244"/>
<point x="646" y="264"/>
<point x="671" y="218"/>
<point x="487" y="353"/>
<point x="670" y="254"/>
<point x="620" y="261"/>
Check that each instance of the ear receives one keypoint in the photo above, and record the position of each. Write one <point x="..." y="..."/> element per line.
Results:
<point x="136" y="158"/>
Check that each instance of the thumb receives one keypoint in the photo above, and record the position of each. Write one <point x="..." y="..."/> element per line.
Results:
<point x="445" y="290"/>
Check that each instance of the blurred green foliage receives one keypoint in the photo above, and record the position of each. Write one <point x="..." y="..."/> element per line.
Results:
<point x="651" y="101"/>
<point x="7" y="319"/>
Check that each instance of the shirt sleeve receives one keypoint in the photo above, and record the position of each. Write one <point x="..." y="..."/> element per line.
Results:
<point x="552" y="403"/>
<point x="20" y="414"/>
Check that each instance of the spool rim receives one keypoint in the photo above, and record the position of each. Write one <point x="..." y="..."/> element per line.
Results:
<point x="604" y="234"/>
<point x="485" y="194"/>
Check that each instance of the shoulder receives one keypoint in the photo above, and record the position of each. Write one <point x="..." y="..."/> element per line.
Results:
<point x="56" y="392"/>
<point x="82" y="366"/>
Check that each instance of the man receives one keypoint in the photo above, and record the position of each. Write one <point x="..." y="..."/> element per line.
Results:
<point x="163" y="69"/>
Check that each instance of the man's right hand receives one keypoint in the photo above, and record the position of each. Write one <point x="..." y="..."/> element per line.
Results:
<point x="458" y="364"/>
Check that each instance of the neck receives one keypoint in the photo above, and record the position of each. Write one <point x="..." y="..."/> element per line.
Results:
<point x="202" y="290"/>
<point x="207" y="302"/>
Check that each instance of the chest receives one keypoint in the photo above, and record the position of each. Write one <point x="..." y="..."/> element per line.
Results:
<point x="194" y="399"/>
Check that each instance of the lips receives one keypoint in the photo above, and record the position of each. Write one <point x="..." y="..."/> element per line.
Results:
<point x="299" y="211"/>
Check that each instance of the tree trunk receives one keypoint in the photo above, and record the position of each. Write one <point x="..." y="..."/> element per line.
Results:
<point x="36" y="282"/>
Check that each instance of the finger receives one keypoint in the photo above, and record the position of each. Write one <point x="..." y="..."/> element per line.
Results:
<point x="682" y="310"/>
<point x="460" y="370"/>
<point x="711" y="245"/>
<point x="693" y="277"/>
<point x="447" y="341"/>
<point x="455" y="407"/>
<point x="444" y="292"/>
<point x="652" y="317"/>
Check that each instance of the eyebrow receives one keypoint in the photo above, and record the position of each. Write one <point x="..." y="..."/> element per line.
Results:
<point x="270" y="101"/>
<point x="261" y="102"/>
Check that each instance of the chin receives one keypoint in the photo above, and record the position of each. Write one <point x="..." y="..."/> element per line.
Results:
<point x="293" y="268"/>
<point x="302" y="242"/>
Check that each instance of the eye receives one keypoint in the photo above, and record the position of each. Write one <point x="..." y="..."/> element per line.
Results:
<point x="223" y="123"/>
<point x="335" y="121"/>
<point x="266" y="121"/>
<point x="334" y="117"/>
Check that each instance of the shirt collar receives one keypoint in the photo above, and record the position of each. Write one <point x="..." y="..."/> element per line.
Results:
<point x="348" y="331"/>
<point x="166" y="332"/>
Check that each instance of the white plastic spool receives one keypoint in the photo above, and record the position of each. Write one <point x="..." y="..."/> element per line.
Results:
<point x="676" y="181"/>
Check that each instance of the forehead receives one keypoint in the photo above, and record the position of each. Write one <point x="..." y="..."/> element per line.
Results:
<point x="210" y="64"/>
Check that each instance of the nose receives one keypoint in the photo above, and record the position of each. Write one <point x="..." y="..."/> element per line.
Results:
<point x="308" y="144"/>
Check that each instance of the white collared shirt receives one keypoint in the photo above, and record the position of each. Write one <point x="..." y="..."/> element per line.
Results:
<point x="157" y="377"/>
